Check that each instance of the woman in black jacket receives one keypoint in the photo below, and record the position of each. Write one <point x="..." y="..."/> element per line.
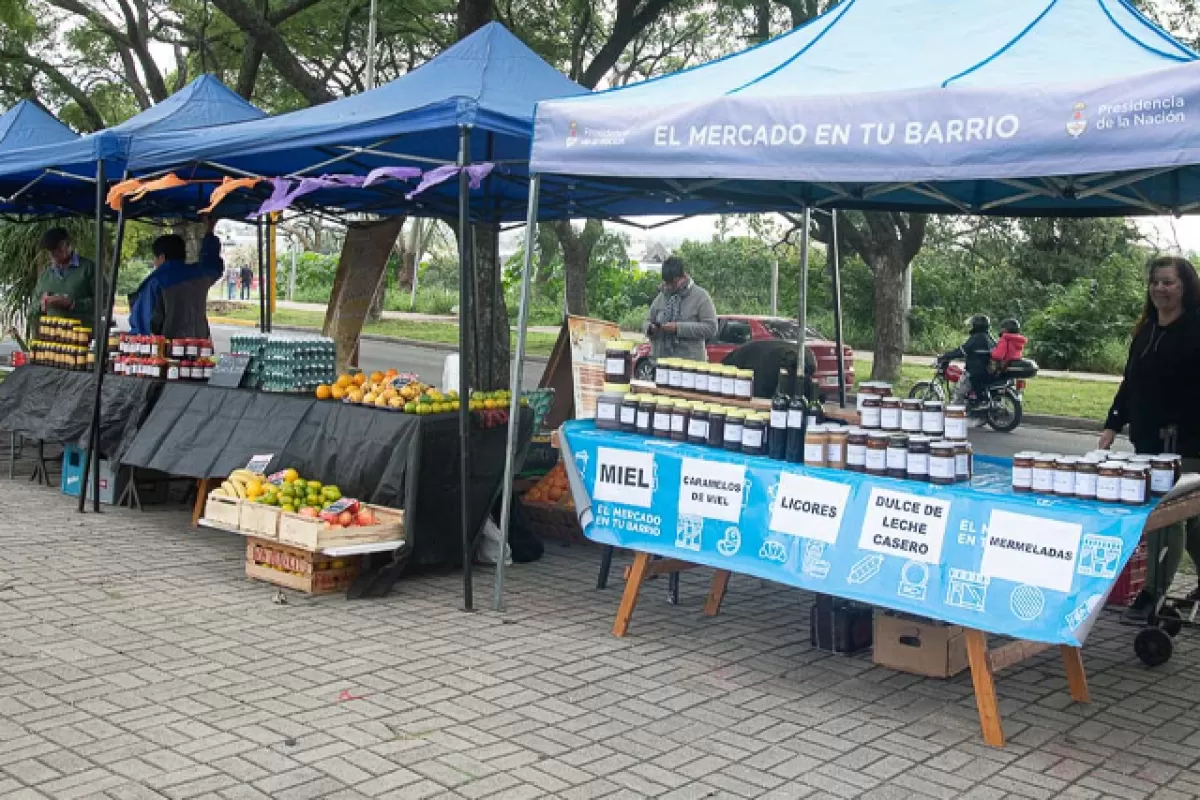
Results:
<point x="1159" y="400"/>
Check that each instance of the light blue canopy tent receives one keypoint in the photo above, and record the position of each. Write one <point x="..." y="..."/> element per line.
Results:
<point x="1066" y="107"/>
<point x="1044" y="107"/>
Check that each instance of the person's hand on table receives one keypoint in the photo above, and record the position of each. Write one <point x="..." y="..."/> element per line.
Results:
<point x="1106" y="439"/>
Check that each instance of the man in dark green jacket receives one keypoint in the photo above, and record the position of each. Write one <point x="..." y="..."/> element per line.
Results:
<point x="66" y="287"/>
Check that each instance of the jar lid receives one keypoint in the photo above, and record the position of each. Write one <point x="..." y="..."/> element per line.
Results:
<point x="616" y="388"/>
<point x="1091" y="458"/>
<point x="856" y="431"/>
<point x="894" y="401"/>
<point x="699" y="405"/>
<point x="1165" y="458"/>
<point x="933" y="405"/>
<point x="947" y="446"/>
<point x="716" y="408"/>
<point x="745" y="373"/>
<point x="623" y="345"/>
<point x="919" y="440"/>
<point x="837" y="430"/>
<point x="736" y="413"/>
<point x="1129" y="466"/>
<point x="684" y="404"/>
<point x="955" y="408"/>
<point x="1069" y="460"/>
<point x="816" y="429"/>
<point x="1120" y="456"/>
<point x="911" y="402"/>
<point x="1112" y="465"/>
<point x="898" y="439"/>
<point x="1141" y="459"/>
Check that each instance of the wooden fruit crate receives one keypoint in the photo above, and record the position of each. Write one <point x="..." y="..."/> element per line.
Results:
<point x="223" y="510"/>
<point x="310" y="534"/>
<point x="260" y="520"/>
<point x="293" y="568"/>
<point x="552" y="521"/>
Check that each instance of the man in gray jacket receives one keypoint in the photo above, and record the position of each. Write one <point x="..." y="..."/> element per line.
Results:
<point x="682" y="316"/>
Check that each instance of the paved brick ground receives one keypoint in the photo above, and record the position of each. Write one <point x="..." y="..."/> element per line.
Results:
<point x="137" y="662"/>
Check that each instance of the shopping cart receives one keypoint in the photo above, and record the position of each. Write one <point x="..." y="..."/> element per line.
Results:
<point x="1154" y="644"/>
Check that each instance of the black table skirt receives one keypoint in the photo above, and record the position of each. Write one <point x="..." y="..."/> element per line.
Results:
<point x="391" y="459"/>
<point x="55" y="405"/>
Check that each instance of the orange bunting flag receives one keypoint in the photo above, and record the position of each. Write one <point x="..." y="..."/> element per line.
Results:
<point x="117" y="194"/>
<point x="228" y="185"/>
<point x="168" y="181"/>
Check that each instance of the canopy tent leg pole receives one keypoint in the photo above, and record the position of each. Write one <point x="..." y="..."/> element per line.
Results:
<point x="93" y="447"/>
<point x="518" y="372"/>
<point x="262" y="311"/>
<point x="802" y="314"/>
<point x="838" y="339"/>
<point x="466" y="278"/>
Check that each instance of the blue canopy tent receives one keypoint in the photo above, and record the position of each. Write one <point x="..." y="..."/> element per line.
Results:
<point x="473" y="103"/>
<point x="1036" y="107"/>
<point x="26" y="125"/>
<point x="50" y="175"/>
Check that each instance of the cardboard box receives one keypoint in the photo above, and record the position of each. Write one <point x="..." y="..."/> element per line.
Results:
<point x="919" y="646"/>
<point x="302" y="570"/>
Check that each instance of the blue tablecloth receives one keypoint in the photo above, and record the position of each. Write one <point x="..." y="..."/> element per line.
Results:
<point x="1029" y="566"/>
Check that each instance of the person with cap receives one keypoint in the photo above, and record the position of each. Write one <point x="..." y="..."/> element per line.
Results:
<point x="682" y="317"/>
<point x="172" y="300"/>
<point x="65" y="288"/>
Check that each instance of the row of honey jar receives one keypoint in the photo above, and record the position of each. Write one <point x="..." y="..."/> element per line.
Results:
<point x="1099" y="475"/>
<point x="63" y="356"/>
<point x="63" y="330"/>
<point x="714" y="380"/>
<point x="912" y="416"/>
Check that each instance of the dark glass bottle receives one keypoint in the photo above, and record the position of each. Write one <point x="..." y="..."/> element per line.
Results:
<point x="778" y="434"/>
<point x="798" y="414"/>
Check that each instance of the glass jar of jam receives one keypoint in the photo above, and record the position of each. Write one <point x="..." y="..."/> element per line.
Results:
<point x="743" y="387"/>
<point x="206" y="349"/>
<point x="662" y="377"/>
<point x="178" y="350"/>
<point x="663" y="407"/>
<point x="716" y="425"/>
<point x="735" y="421"/>
<point x="956" y="423"/>
<point x="856" y="450"/>
<point x="754" y="434"/>
<point x="700" y="379"/>
<point x="679" y="419"/>
<point x="608" y="406"/>
<point x="910" y="415"/>
<point x="964" y="461"/>
<point x="933" y="418"/>
<point x="869" y="415"/>
<point x="816" y="446"/>
<point x="1064" y="476"/>
<point x="1022" y="471"/>
<point x="1043" y="472"/>
<point x="192" y="345"/>
<point x="865" y="389"/>
<point x="697" y="432"/>
<point x="897" y="456"/>
<point x="645" y="414"/>
<point x="1108" y="482"/>
<point x="687" y="376"/>
<point x="917" y="467"/>
<point x="1134" y="482"/>
<point x="629" y="411"/>
<point x="1162" y="474"/>
<point x="889" y="414"/>
<point x="941" y="463"/>
<point x="835" y="449"/>
<point x="729" y="382"/>
<point x="675" y="373"/>
<point x="618" y="362"/>
<point x="877" y="447"/>
<point x="1086" y="472"/>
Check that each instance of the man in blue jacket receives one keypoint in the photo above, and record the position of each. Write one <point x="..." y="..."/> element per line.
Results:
<point x="172" y="300"/>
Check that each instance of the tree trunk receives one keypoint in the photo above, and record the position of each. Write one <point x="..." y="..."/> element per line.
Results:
<point x="547" y="253"/>
<point x="487" y="362"/>
<point x="364" y="257"/>
<point x="889" y="268"/>
<point x="375" y="312"/>
<point x="577" y="254"/>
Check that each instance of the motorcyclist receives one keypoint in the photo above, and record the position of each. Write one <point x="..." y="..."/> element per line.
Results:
<point x="976" y="351"/>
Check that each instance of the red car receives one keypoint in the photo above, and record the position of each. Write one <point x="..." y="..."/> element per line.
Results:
<point x="733" y="331"/>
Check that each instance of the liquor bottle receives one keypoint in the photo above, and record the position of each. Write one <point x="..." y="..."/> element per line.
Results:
<point x="777" y="439"/>
<point x="798" y="414"/>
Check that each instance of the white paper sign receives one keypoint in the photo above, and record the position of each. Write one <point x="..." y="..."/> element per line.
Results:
<point x="809" y="507"/>
<point x="624" y="476"/>
<point x="1032" y="550"/>
<point x="712" y="490"/>
<point x="905" y="525"/>
<point x="258" y="464"/>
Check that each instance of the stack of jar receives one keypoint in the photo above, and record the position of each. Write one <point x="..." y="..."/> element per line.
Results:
<point x="713" y="380"/>
<point x="145" y="356"/>
<point x="62" y="342"/>
<point x="1098" y="475"/>
<point x="922" y="440"/>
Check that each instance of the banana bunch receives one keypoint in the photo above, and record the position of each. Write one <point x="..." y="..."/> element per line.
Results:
<point x="237" y="484"/>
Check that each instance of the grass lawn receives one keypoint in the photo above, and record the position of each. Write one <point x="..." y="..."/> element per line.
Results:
<point x="1060" y="397"/>
<point x="536" y="343"/>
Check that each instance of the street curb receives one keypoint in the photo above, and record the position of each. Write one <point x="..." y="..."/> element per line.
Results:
<point x="1063" y="423"/>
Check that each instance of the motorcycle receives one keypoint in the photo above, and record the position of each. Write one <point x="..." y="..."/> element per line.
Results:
<point x="1001" y="404"/>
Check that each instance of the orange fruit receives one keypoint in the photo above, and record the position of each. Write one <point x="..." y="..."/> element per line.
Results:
<point x="344" y="381"/>
<point x="324" y="392"/>
<point x="376" y="377"/>
<point x="359" y="379"/>
<point x="338" y="392"/>
<point x="355" y="395"/>
<point x="391" y="373"/>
